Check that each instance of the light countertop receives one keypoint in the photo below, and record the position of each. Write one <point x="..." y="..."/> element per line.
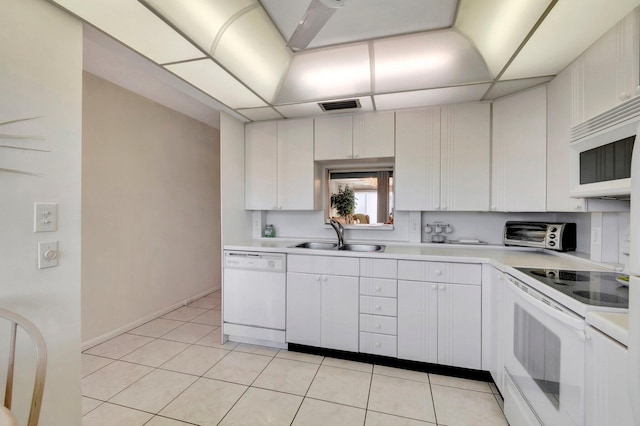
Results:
<point x="498" y="256"/>
<point x="613" y="324"/>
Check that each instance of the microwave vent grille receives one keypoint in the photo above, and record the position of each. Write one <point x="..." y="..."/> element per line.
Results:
<point x="626" y="111"/>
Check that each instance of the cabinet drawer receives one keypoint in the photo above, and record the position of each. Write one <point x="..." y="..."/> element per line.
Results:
<point x="378" y="344"/>
<point x="378" y="287"/>
<point x="379" y="268"/>
<point x="378" y="306"/>
<point x="455" y="273"/>
<point x="378" y="324"/>
<point x="328" y="265"/>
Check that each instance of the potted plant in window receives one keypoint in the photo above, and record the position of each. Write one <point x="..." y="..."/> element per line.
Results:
<point x="344" y="202"/>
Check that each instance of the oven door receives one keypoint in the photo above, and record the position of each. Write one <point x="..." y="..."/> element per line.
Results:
<point x="544" y="358"/>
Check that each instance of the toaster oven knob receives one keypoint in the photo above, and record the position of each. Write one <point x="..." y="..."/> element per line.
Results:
<point x="554" y="229"/>
<point x="552" y="236"/>
<point x="552" y="243"/>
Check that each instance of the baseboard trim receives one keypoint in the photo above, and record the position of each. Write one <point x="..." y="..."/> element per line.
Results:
<point x="425" y="367"/>
<point x="137" y="323"/>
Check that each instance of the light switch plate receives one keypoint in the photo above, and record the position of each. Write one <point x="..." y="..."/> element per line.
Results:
<point x="47" y="254"/>
<point x="45" y="217"/>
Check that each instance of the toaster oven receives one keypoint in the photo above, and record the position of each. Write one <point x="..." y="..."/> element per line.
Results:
<point x="553" y="236"/>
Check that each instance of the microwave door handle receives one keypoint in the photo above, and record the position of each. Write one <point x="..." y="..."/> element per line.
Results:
<point x="543" y="308"/>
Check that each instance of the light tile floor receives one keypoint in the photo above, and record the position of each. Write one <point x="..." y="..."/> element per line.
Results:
<point x="173" y="371"/>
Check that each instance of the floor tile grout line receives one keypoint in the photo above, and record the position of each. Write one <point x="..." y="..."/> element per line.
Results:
<point x="402" y="417"/>
<point x="307" y="391"/>
<point x="433" y="401"/>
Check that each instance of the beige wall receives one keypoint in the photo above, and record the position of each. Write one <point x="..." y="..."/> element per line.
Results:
<point x="41" y="77"/>
<point x="150" y="209"/>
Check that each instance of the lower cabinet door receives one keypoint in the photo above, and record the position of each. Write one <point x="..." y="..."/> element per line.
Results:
<point x="418" y="321"/>
<point x="607" y="381"/>
<point x="378" y="344"/>
<point x="459" y="325"/>
<point x="304" y="296"/>
<point x="339" y="319"/>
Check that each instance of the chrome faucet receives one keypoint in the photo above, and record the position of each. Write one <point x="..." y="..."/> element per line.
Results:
<point x="337" y="226"/>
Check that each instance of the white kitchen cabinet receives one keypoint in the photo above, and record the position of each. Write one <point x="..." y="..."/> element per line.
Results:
<point x="374" y="135"/>
<point x="558" y="139"/>
<point x="261" y="166"/>
<point x="368" y="135"/>
<point x="438" y="321"/>
<point x="322" y="308"/>
<point x="606" y="380"/>
<point x="519" y="152"/>
<point x="378" y="306"/>
<point x="280" y="172"/>
<point x="607" y="73"/>
<point x="492" y="324"/>
<point x="443" y="158"/>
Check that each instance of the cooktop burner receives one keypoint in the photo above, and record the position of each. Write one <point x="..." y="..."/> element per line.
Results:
<point x="597" y="288"/>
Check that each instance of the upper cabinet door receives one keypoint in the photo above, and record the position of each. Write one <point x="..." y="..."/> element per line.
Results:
<point x="261" y="175"/>
<point x="296" y="176"/>
<point x="520" y="152"/>
<point x="333" y="138"/>
<point x="373" y="135"/>
<point x="607" y="73"/>
<point x="417" y="169"/>
<point x="558" y="138"/>
<point x="465" y="158"/>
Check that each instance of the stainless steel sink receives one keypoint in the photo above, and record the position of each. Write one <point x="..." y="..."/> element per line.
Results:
<point x="317" y="246"/>
<point x="363" y="247"/>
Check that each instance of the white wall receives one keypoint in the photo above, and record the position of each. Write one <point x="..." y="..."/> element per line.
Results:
<point x="150" y="209"/>
<point x="40" y="76"/>
<point x="236" y="221"/>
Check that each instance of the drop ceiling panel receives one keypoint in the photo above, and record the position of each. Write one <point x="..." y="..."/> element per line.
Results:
<point x="442" y="96"/>
<point x="131" y="23"/>
<point x="200" y="20"/>
<point x="503" y="88"/>
<point x="569" y="29"/>
<point x="329" y="73"/>
<point x="213" y="80"/>
<point x="426" y="60"/>
<point x="253" y="50"/>
<point x="498" y="27"/>
<point x="365" y="19"/>
<point x="311" y="109"/>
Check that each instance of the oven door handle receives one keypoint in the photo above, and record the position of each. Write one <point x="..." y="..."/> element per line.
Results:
<point x="544" y="309"/>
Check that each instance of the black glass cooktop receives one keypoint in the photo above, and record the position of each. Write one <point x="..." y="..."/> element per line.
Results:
<point x="597" y="288"/>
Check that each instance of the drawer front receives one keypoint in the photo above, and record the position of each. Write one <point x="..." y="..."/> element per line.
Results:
<point x="327" y="265"/>
<point x="379" y="268"/>
<point x="441" y="272"/>
<point x="379" y="324"/>
<point x="378" y="287"/>
<point x="378" y="344"/>
<point x="455" y="273"/>
<point x="378" y="306"/>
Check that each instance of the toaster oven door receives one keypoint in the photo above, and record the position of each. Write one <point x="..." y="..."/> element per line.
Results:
<point x="530" y="234"/>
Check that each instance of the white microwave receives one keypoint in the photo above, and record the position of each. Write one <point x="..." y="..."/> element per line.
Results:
<point x="600" y="162"/>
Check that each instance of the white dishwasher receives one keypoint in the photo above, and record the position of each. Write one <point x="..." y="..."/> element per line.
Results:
<point x="254" y="296"/>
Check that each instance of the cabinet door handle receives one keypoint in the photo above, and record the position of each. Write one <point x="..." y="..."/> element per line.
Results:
<point x="378" y="326"/>
<point x="434" y="287"/>
<point x="438" y="272"/>
<point x="378" y="307"/>
<point x="443" y="288"/>
<point x="378" y="344"/>
<point x="324" y="278"/>
<point x="318" y="278"/>
<point x="378" y="288"/>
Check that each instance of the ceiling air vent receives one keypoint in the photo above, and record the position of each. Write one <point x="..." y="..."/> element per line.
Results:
<point x="340" y="105"/>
